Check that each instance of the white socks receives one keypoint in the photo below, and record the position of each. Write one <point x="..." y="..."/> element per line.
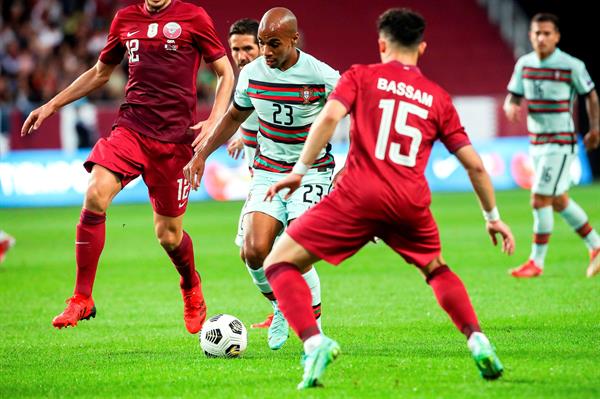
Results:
<point x="543" y="223"/>
<point x="312" y="343"/>
<point x="578" y="220"/>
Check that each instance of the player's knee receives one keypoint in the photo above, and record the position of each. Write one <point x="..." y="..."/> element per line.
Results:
<point x="168" y="237"/>
<point x="560" y="203"/>
<point x="540" y="201"/>
<point x="255" y="255"/>
<point x="95" y="199"/>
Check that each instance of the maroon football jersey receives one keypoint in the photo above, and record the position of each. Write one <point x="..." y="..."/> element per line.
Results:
<point x="396" y="115"/>
<point x="164" y="50"/>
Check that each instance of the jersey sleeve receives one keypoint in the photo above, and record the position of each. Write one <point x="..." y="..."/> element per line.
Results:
<point x="330" y="77"/>
<point x="347" y="88"/>
<point x="205" y="37"/>
<point x="452" y="133"/>
<point x="241" y="100"/>
<point x="581" y="79"/>
<point x="113" y="50"/>
<point x="515" y="85"/>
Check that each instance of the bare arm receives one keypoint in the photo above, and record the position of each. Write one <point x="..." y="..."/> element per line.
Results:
<point x="222" y="69"/>
<point x="319" y="135"/>
<point x="512" y="107"/>
<point x="89" y="81"/>
<point x="224" y="129"/>
<point x="484" y="190"/>
<point x="592" y="137"/>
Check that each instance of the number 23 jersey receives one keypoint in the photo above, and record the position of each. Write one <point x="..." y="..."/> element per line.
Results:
<point x="286" y="103"/>
<point x="396" y="116"/>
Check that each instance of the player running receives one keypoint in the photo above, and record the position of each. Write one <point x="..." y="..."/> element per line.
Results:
<point x="164" y="41"/>
<point x="287" y="89"/>
<point x="397" y="114"/>
<point x="243" y="43"/>
<point x="549" y="79"/>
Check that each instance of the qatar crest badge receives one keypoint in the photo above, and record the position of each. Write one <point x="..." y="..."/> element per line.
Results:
<point x="172" y="30"/>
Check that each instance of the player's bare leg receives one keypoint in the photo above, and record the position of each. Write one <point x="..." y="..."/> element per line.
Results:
<point x="578" y="220"/>
<point x="102" y="188"/>
<point x="260" y="231"/>
<point x="452" y="296"/>
<point x="178" y="245"/>
<point x="285" y="265"/>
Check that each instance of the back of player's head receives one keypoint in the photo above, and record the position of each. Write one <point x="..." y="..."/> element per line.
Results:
<point x="244" y="26"/>
<point x="402" y="26"/>
<point x="546" y="17"/>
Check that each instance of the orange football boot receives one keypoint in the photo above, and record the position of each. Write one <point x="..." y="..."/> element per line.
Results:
<point x="79" y="307"/>
<point x="527" y="270"/>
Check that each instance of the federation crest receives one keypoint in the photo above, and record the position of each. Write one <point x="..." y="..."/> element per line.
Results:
<point x="172" y="30"/>
<point x="306" y="94"/>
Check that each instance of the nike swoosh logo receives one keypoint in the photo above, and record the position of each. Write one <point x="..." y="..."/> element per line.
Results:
<point x="129" y="34"/>
<point x="182" y="205"/>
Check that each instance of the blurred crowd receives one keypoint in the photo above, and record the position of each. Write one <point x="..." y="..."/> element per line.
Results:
<point x="46" y="44"/>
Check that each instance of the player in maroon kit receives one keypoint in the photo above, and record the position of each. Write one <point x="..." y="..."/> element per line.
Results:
<point x="397" y="114"/>
<point x="165" y="41"/>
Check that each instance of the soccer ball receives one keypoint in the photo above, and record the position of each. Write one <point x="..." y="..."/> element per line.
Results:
<point x="223" y="335"/>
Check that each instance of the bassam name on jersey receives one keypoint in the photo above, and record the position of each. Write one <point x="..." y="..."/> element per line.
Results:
<point x="405" y="90"/>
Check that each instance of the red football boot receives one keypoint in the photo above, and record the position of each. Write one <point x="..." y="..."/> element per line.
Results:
<point x="194" y="308"/>
<point x="594" y="267"/>
<point x="79" y="307"/>
<point x="527" y="270"/>
<point x="264" y="324"/>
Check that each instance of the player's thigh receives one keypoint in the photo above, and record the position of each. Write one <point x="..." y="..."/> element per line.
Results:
<point x="103" y="186"/>
<point x="163" y="174"/>
<point x="333" y="229"/>
<point x="260" y="231"/>
<point x="552" y="174"/>
<point x="416" y="238"/>
<point x="315" y="186"/>
<point x="287" y="250"/>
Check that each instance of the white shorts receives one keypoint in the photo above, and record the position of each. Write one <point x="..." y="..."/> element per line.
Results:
<point x="552" y="175"/>
<point x="315" y="186"/>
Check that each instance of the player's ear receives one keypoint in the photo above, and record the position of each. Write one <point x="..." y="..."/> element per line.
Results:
<point x="422" y="47"/>
<point x="382" y="45"/>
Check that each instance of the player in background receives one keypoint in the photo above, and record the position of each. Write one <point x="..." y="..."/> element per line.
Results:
<point x="243" y="43"/>
<point x="287" y="89"/>
<point x="165" y="41"/>
<point x="6" y="242"/>
<point x="396" y="114"/>
<point x="549" y="80"/>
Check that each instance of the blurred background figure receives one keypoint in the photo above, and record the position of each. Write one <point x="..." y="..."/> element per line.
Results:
<point x="6" y="243"/>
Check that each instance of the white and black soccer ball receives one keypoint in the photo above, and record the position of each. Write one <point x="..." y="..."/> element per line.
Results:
<point x="223" y="335"/>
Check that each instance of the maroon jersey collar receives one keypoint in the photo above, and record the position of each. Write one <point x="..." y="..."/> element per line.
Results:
<point x="157" y="14"/>
<point x="413" y="68"/>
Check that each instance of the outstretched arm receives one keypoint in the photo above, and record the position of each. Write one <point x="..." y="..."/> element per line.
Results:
<point x="592" y="137"/>
<point x="224" y="129"/>
<point x="512" y="107"/>
<point x="89" y="81"/>
<point x="484" y="190"/>
<point x="319" y="135"/>
<point x="221" y="68"/>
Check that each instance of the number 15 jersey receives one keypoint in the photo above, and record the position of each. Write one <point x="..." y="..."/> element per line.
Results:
<point x="286" y="103"/>
<point x="396" y="115"/>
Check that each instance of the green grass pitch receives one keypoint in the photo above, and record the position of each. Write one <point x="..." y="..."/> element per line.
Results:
<point x="396" y="342"/>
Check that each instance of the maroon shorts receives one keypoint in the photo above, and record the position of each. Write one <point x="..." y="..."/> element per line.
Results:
<point x="336" y="228"/>
<point x="129" y="155"/>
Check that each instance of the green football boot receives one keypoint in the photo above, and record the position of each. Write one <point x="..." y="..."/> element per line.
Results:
<point x="316" y="363"/>
<point x="485" y="357"/>
<point x="279" y="330"/>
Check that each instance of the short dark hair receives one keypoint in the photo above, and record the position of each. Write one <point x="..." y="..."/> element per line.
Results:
<point x="402" y="26"/>
<point x="546" y="17"/>
<point x="245" y="26"/>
